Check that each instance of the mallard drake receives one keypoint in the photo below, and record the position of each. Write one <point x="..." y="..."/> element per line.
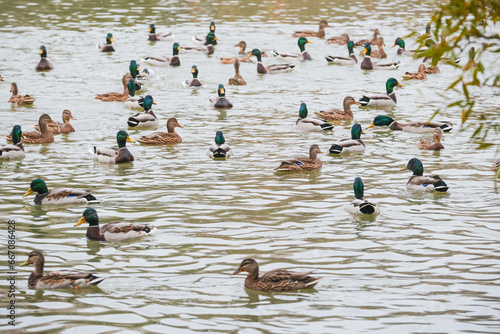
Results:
<point x="304" y="123"/>
<point x="194" y="82"/>
<point x="432" y="69"/>
<point x="376" y="34"/>
<point x="344" y="60"/>
<point x="380" y="53"/>
<point x="209" y="49"/>
<point x="133" y="101"/>
<point x="303" y="55"/>
<point x="203" y="39"/>
<point x="146" y="119"/>
<point x="106" y="47"/>
<point x="163" y="138"/>
<point x="61" y="128"/>
<point x="302" y="164"/>
<point x="220" y="149"/>
<point x="44" y="64"/>
<point x="339" y="115"/>
<point x="275" y="280"/>
<point x="166" y="61"/>
<point x="419" y="75"/>
<point x="242" y="45"/>
<point x="271" y="69"/>
<point x="164" y="36"/>
<point x="341" y="40"/>
<point x="423" y="183"/>
<point x="413" y="127"/>
<point x="495" y="165"/>
<point x="434" y="143"/>
<point x="19" y="99"/>
<point x="59" y="195"/>
<point x="238" y="79"/>
<point x="135" y="73"/>
<point x="109" y="97"/>
<point x="360" y="205"/>
<point x="57" y="279"/>
<point x="380" y="100"/>
<point x="309" y="33"/>
<point x="367" y="63"/>
<point x="16" y="149"/>
<point x="350" y="145"/>
<point x="402" y="51"/>
<point x="220" y="100"/>
<point x="45" y="137"/>
<point x="115" y="155"/>
<point x="113" y="231"/>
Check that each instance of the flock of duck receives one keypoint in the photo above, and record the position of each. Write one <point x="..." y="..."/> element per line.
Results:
<point x="134" y="83"/>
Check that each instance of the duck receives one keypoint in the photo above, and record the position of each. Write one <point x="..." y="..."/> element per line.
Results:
<point x="133" y="101"/>
<point x="237" y="80"/>
<point x="109" y="97"/>
<point x="146" y="119"/>
<point x="242" y="45"/>
<point x="194" y="82"/>
<point x="154" y="36"/>
<point x="340" y="60"/>
<point x="45" y="137"/>
<point x="106" y="47"/>
<point x="339" y="115"/>
<point x="302" y="164"/>
<point x="115" y="155"/>
<point x="163" y="138"/>
<point x="376" y="34"/>
<point x="113" y="231"/>
<point x="59" y="195"/>
<point x="271" y="69"/>
<point x="340" y="40"/>
<point x="360" y="205"/>
<point x="16" y="149"/>
<point x="203" y="39"/>
<point x="350" y="145"/>
<point x="135" y="73"/>
<point x="303" y="55"/>
<point x="423" y="183"/>
<point x="208" y="50"/>
<point x="57" y="279"/>
<point x="19" y="99"/>
<point x="434" y="143"/>
<point x="380" y="100"/>
<point x="44" y="64"/>
<point x="380" y="53"/>
<point x="2" y="78"/>
<point x="401" y="50"/>
<point x="432" y="70"/>
<point x="413" y="127"/>
<point x="367" y="63"/>
<point x="220" y="149"/>
<point x="495" y="165"/>
<point x="419" y="75"/>
<point x="166" y="61"/>
<point x="309" y="33"/>
<point x="304" y="123"/>
<point x="61" y="128"/>
<point x="277" y="280"/>
<point x="220" y="100"/>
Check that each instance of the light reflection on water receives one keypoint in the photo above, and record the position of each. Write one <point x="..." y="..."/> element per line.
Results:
<point x="426" y="263"/>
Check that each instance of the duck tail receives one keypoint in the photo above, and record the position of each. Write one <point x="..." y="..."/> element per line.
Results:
<point x="364" y="100"/>
<point x="326" y="126"/>
<point x="132" y="122"/>
<point x="97" y="280"/>
<point x="447" y="126"/>
<point x="367" y="208"/>
<point x="275" y="53"/>
<point x="440" y="186"/>
<point x="336" y="149"/>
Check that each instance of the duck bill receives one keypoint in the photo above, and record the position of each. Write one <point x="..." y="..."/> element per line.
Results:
<point x="309" y="42"/>
<point x="111" y="40"/>
<point x="80" y="222"/>
<point x="29" y="192"/>
<point x="215" y="38"/>
<point x="130" y="140"/>
<point x="357" y="103"/>
<point x="25" y="263"/>
<point x="404" y="168"/>
<point x="400" y="85"/>
<point x="371" y="126"/>
<point x="394" y="45"/>
<point x="237" y="271"/>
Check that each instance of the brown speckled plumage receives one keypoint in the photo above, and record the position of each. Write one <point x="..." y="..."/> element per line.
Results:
<point x="419" y="75"/>
<point x="432" y="144"/>
<point x="309" y="33"/>
<point x="60" y="128"/>
<point x="339" y="115"/>
<point x="34" y="137"/>
<point x="163" y="138"/>
<point x="302" y="164"/>
<point x="238" y="79"/>
<point x="19" y="99"/>
<point x="108" y="97"/>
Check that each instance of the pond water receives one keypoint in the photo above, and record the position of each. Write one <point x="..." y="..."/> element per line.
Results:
<point x="427" y="263"/>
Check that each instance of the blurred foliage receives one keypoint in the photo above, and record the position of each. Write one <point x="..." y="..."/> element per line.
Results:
<point x="466" y="25"/>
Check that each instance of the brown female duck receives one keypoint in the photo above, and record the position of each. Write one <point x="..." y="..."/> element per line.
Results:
<point x="275" y="280"/>
<point x="432" y="69"/>
<point x="108" y="97"/>
<point x="238" y="79"/>
<point x="44" y="137"/>
<point x="302" y="164"/>
<point x="374" y="40"/>
<point x="58" y="127"/>
<point x="309" y="33"/>
<point x="419" y="75"/>
<point x="434" y="143"/>
<point x="19" y="99"/>
<point x="339" y="115"/>
<point x="242" y="45"/>
<point x="163" y="138"/>
<point x="340" y="40"/>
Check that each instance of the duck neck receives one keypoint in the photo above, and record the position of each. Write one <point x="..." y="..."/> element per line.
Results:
<point x="171" y="127"/>
<point x="14" y="90"/>
<point x="313" y="155"/>
<point x="94" y="233"/>
<point x="347" y="108"/>
<point x="38" y="267"/>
